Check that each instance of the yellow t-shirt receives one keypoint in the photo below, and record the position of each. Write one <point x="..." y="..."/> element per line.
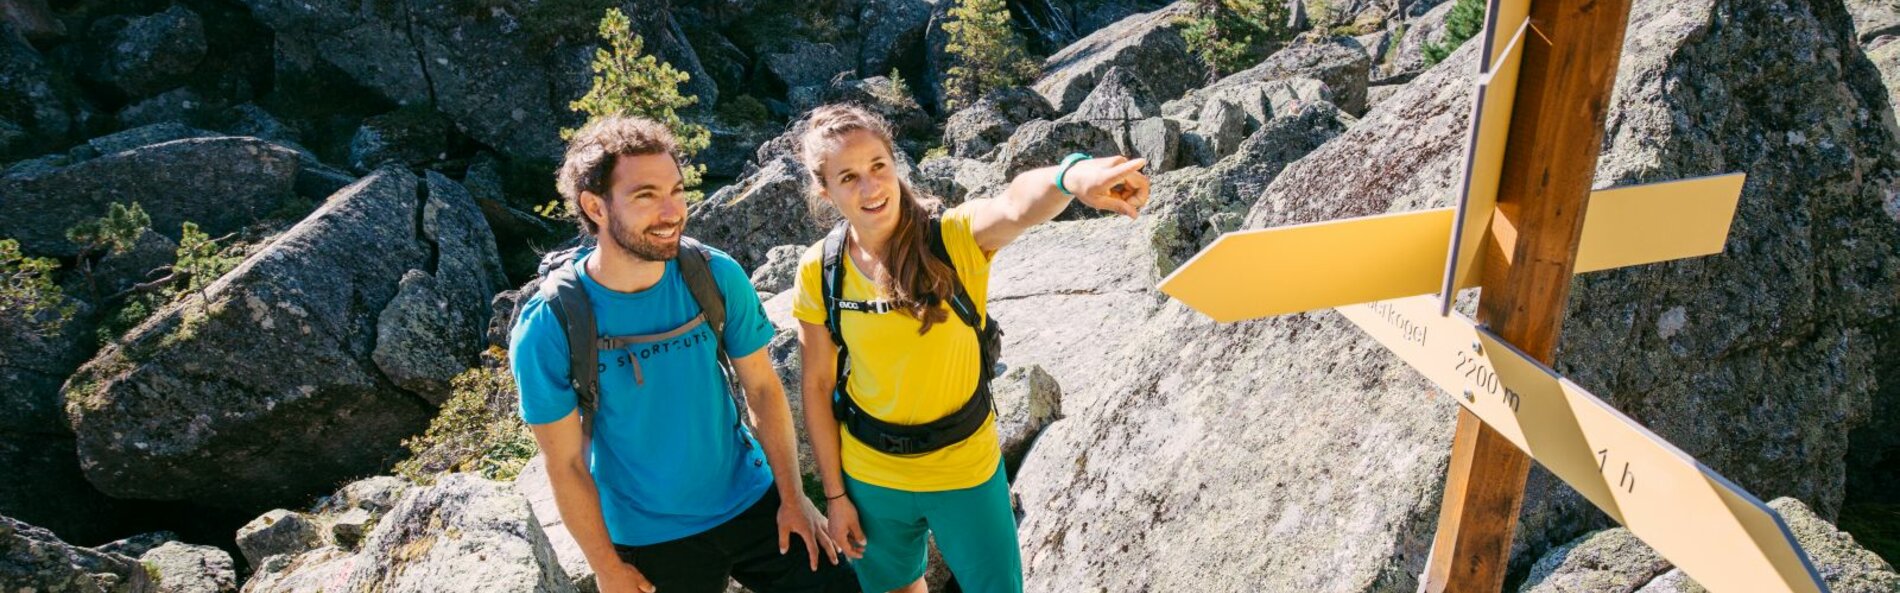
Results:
<point x="901" y="377"/>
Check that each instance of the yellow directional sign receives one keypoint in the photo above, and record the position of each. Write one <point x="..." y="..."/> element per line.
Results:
<point x="1501" y="16"/>
<point x="1261" y="273"/>
<point x="1719" y="534"/>
<point x="1484" y="161"/>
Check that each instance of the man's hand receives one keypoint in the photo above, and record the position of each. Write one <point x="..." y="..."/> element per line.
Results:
<point x="620" y="577"/>
<point x="800" y="517"/>
<point x="845" y="528"/>
<point x="1114" y="184"/>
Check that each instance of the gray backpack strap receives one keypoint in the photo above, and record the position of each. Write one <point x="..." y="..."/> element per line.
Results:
<point x="695" y="264"/>
<point x="696" y="269"/>
<point x="562" y="290"/>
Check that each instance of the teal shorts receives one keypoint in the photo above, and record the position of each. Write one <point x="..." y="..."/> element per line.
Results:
<point x="974" y="527"/>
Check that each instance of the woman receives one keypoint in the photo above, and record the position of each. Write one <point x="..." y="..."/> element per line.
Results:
<point x="916" y="453"/>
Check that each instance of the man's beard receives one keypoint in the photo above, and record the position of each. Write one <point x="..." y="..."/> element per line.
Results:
<point x="642" y="245"/>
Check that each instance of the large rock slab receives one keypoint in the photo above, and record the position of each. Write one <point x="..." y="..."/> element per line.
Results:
<point x="1148" y="46"/>
<point x="495" y="70"/>
<point x="220" y="183"/>
<point x="532" y="483"/>
<point x="187" y="568"/>
<point x="763" y="210"/>
<point x="1295" y="454"/>
<point x="465" y="533"/>
<point x="1615" y="560"/>
<point x="266" y="389"/>
<point x="43" y="108"/>
<point x="33" y="559"/>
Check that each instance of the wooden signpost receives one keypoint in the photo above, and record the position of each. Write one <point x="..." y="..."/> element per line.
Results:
<point x="1526" y="221"/>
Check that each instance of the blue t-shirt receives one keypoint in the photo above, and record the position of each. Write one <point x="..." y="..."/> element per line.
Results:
<point x="668" y="456"/>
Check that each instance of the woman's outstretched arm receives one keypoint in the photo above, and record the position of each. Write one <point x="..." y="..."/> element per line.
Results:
<point x="1114" y="184"/>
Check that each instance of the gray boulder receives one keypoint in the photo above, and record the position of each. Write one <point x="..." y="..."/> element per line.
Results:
<point x="323" y="570"/>
<point x="150" y="53"/>
<point x="1044" y="143"/>
<point x="1115" y="104"/>
<point x="1608" y="560"/>
<point x="222" y="184"/>
<point x="1148" y="46"/>
<point x="376" y="494"/>
<point x="1614" y="560"/>
<point x="955" y="180"/>
<point x="781" y="264"/>
<point x="975" y="131"/>
<point x="1027" y="401"/>
<point x="893" y="33"/>
<point x="497" y="72"/>
<point x="909" y="123"/>
<point x="1156" y="139"/>
<point x="314" y="180"/>
<point x="1344" y="68"/>
<point x="138" y="545"/>
<point x="764" y="210"/>
<point x="532" y="484"/>
<point x="187" y="568"/>
<point x="465" y="533"/>
<point x="277" y="392"/>
<point x="1194" y="206"/>
<point x="45" y="107"/>
<point x="278" y="532"/>
<point x="179" y="104"/>
<point x="120" y="270"/>
<point x="805" y="64"/>
<point x="1409" y="56"/>
<point x="1874" y="20"/>
<point x="33" y="20"/>
<point x="411" y="137"/>
<point x="1218" y="117"/>
<point x="36" y="560"/>
<point x="1240" y="433"/>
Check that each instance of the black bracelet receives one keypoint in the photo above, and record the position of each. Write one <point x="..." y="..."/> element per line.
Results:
<point x="832" y="498"/>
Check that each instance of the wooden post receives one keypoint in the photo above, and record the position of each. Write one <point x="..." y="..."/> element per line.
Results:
<point x="1563" y="94"/>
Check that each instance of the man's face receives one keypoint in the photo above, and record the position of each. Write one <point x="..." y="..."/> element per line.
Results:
<point x="648" y="207"/>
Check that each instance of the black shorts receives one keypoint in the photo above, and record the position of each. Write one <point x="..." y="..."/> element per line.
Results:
<point x="744" y="548"/>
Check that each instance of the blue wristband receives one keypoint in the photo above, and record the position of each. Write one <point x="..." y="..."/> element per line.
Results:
<point x="1069" y="161"/>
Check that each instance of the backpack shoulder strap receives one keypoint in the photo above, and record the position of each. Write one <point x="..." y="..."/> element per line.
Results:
<point x="562" y="290"/>
<point x="959" y="302"/>
<point x="695" y="264"/>
<point x="833" y="278"/>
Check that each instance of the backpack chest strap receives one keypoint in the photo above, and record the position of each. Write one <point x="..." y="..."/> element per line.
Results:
<point x="866" y="306"/>
<point x="614" y="343"/>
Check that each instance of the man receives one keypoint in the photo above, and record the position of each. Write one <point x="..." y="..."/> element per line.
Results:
<point x="659" y="482"/>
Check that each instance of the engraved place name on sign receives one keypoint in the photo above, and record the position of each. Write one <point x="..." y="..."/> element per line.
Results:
<point x="1713" y="530"/>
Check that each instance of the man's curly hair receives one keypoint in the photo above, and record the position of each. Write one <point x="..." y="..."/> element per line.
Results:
<point x="591" y="154"/>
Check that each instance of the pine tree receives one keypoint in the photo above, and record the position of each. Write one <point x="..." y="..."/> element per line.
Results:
<point x="1230" y="35"/>
<point x="1464" y="22"/>
<point x="115" y="232"/>
<point x="200" y="259"/>
<point x="987" y="52"/>
<point x="27" y="291"/>
<point x="629" y="82"/>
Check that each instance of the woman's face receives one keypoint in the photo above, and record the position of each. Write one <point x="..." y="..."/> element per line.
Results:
<point x="860" y="179"/>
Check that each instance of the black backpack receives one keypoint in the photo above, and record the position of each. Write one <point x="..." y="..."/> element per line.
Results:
<point x="908" y="439"/>
<point x="562" y="290"/>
